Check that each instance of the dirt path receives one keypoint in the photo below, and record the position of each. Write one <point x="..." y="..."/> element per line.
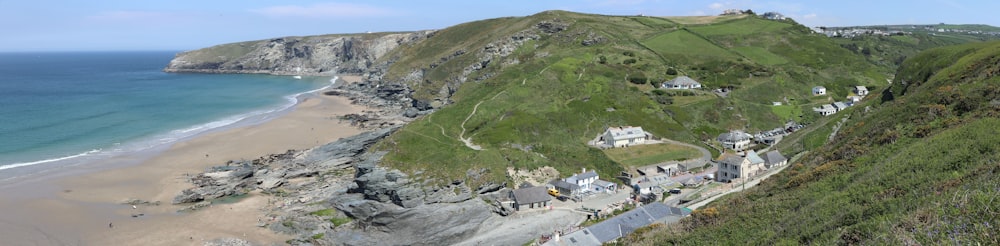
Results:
<point x="461" y="136"/>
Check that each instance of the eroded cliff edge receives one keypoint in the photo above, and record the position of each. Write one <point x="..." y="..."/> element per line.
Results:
<point x="308" y="55"/>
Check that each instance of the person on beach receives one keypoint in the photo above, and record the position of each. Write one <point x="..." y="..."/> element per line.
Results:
<point x="111" y="225"/>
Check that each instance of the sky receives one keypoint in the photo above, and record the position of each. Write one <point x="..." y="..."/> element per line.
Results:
<point x="125" y="25"/>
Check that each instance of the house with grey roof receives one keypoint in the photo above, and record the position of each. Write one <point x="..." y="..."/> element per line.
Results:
<point x="565" y="188"/>
<point x="825" y="110"/>
<point x="531" y="197"/>
<point x="840" y="106"/>
<point x="681" y="82"/>
<point x="604" y="186"/>
<point x="620" y="226"/>
<point x="774" y="159"/>
<point x="624" y="136"/>
<point x="735" y="140"/>
<point x="585" y="179"/>
<point x="735" y="166"/>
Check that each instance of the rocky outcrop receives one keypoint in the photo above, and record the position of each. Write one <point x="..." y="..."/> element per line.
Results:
<point x="311" y="55"/>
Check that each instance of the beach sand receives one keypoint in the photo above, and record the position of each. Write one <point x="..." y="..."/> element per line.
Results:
<point x="85" y="208"/>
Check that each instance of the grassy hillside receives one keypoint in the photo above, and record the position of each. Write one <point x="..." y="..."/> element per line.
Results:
<point x="917" y="167"/>
<point x="531" y="91"/>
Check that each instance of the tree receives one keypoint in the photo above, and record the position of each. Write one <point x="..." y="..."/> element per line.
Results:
<point x="671" y="71"/>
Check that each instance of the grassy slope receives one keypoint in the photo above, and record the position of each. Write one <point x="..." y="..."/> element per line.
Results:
<point x="556" y="96"/>
<point x="920" y="168"/>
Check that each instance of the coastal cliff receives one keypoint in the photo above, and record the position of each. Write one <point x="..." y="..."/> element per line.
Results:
<point x="308" y="55"/>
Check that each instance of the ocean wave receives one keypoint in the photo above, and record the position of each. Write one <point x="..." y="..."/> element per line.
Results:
<point x="24" y="164"/>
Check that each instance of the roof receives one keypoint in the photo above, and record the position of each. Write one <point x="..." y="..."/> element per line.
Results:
<point x="773" y="156"/>
<point x="825" y="107"/>
<point x="754" y="158"/>
<point x="733" y="136"/>
<point x="731" y="159"/>
<point x="840" y="105"/>
<point x="586" y="175"/>
<point x="819" y="88"/>
<point x="861" y="88"/>
<point x="564" y="185"/>
<point x="682" y="80"/>
<point x="603" y="183"/>
<point x="626" y="132"/>
<point x="644" y="185"/>
<point x="624" y="224"/>
<point x="531" y="195"/>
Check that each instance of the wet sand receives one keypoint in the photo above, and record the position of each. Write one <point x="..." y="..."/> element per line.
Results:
<point x="77" y="208"/>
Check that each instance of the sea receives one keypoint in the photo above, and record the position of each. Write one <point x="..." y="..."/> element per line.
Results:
<point x="63" y="109"/>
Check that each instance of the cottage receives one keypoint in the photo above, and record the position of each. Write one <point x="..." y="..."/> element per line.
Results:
<point x="840" y="106"/>
<point x="854" y="99"/>
<point x="819" y="91"/>
<point x="604" y="186"/>
<point x="566" y="188"/>
<point x="774" y="159"/>
<point x="825" y="110"/>
<point x="861" y="90"/>
<point x="735" y="140"/>
<point x="584" y="179"/>
<point x="624" y="136"/>
<point x="735" y="166"/>
<point x="531" y="197"/>
<point x="681" y="82"/>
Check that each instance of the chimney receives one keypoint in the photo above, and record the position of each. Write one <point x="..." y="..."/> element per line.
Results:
<point x="584" y="171"/>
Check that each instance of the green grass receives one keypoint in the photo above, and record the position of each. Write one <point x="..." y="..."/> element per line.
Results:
<point x="685" y="43"/>
<point x="745" y="26"/>
<point x="761" y="55"/>
<point x="339" y="221"/>
<point x="701" y="20"/>
<point x="787" y="112"/>
<point x="648" y="154"/>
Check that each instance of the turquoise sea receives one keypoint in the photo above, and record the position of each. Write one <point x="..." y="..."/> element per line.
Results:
<point x="64" y="109"/>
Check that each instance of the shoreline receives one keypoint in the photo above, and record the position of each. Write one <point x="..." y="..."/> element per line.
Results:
<point x="84" y="206"/>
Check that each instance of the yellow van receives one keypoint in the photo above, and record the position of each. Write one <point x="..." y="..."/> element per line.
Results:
<point x="554" y="192"/>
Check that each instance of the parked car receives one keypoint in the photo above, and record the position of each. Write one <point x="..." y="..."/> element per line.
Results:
<point x="675" y="191"/>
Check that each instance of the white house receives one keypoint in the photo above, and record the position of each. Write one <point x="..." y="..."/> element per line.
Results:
<point x="825" y="110"/>
<point x="854" y="99"/>
<point x="681" y="82"/>
<point x="860" y="90"/>
<point x="584" y="180"/>
<point x="840" y="106"/>
<point x="773" y="16"/>
<point x="624" y="136"/>
<point x="819" y="91"/>
<point x="735" y="140"/>
<point x="735" y="166"/>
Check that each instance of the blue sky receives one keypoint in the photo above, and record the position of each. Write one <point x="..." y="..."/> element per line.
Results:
<point x="47" y="25"/>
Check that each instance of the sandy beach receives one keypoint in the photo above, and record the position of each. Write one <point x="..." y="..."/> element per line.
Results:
<point x="84" y="207"/>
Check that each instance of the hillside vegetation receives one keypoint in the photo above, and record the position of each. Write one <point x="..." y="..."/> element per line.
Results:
<point x="531" y="91"/>
<point x="917" y="167"/>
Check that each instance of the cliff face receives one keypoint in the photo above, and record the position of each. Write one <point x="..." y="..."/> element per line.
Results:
<point x="312" y="55"/>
